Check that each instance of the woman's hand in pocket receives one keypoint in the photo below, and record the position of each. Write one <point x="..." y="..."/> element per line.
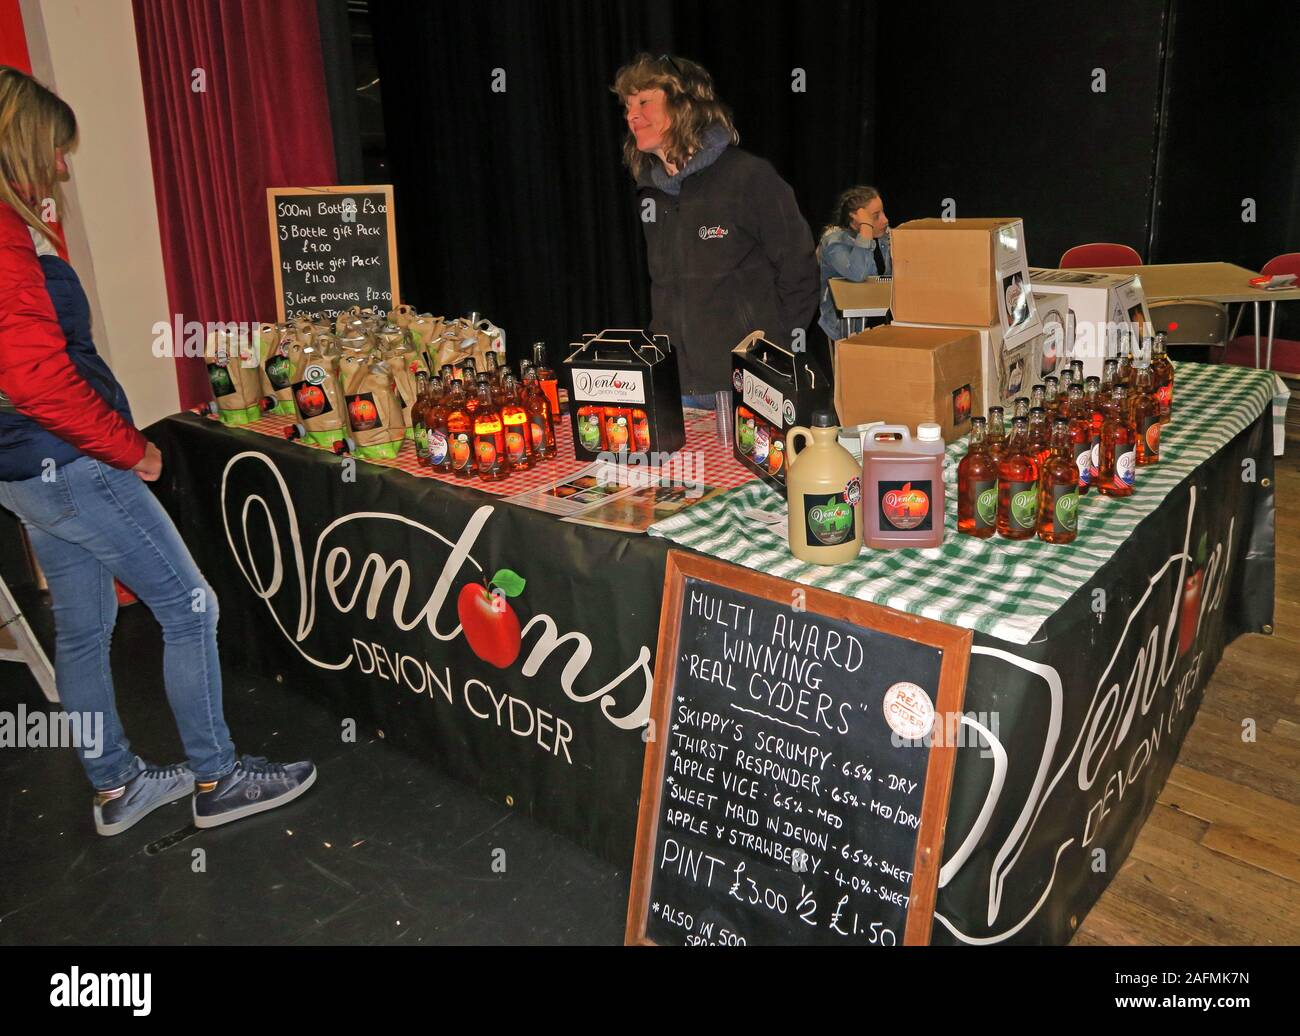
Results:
<point x="149" y="467"/>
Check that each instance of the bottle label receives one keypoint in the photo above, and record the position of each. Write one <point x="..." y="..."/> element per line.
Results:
<point x="1151" y="435"/>
<point x="437" y="446"/>
<point x="516" y="443"/>
<point x="462" y="456"/>
<point x="1094" y="459"/>
<point x="1065" y="508"/>
<point x="421" y="440"/>
<point x="485" y="452"/>
<point x="1126" y="466"/>
<point x="1083" y="461"/>
<point x="1165" y="397"/>
<point x="905" y="505"/>
<point x="537" y="429"/>
<point x="762" y="441"/>
<point x="589" y="432"/>
<point x="985" y="493"/>
<point x="830" y="519"/>
<point x="745" y="434"/>
<point x="1022" y="504"/>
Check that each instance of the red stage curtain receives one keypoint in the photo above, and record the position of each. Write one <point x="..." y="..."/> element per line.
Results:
<point x="13" y="40"/>
<point x="262" y="120"/>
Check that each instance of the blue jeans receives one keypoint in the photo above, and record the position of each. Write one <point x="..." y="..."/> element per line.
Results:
<point x="92" y="522"/>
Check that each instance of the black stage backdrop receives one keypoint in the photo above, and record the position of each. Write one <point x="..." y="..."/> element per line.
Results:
<point x="516" y="203"/>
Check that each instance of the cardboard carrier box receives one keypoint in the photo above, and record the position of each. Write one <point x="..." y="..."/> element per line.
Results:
<point x="965" y="272"/>
<point x="624" y="394"/>
<point x="1104" y="310"/>
<point x="773" y="389"/>
<point x="909" y="375"/>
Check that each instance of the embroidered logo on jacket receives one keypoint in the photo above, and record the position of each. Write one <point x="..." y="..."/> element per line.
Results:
<point x="708" y="233"/>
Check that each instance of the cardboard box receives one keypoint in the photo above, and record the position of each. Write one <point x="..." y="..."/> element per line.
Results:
<point x="773" y="390"/>
<point x="909" y="375"/>
<point x="964" y="272"/>
<point x="1104" y="309"/>
<point x="625" y="395"/>
<point x="1056" y="341"/>
<point x="1004" y="372"/>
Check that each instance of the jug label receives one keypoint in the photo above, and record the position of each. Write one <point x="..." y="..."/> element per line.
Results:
<point x="829" y="518"/>
<point x="905" y="505"/>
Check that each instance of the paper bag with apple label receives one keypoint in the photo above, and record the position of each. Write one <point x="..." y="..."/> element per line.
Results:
<point x="317" y="395"/>
<point x="402" y="316"/>
<point x="278" y="373"/>
<point x="234" y="372"/>
<point x="374" y="409"/>
<point x="425" y="331"/>
<point x="350" y="315"/>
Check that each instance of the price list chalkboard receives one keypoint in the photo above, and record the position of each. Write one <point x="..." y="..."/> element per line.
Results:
<point x="797" y="776"/>
<point x="333" y="248"/>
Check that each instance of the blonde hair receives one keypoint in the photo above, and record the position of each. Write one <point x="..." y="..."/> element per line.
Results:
<point x="34" y="122"/>
<point x="689" y="97"/>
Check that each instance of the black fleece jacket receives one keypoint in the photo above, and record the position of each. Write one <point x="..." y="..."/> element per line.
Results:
<point x="729" y="254"/>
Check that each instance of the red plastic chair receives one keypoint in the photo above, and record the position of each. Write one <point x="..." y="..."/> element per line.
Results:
<point x="1282" y="354"/>
<point x="1099" y="253"/>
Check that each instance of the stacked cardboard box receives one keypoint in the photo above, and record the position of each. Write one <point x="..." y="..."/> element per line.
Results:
<point x="973" y="274"/>
<point x="1104" y="309"/>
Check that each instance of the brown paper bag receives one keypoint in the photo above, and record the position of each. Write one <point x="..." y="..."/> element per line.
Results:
<point x="374" y="409"/>
<point x="234" y="370"/>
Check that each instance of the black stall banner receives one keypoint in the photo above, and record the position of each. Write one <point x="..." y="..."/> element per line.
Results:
<point x="350" y="585"/>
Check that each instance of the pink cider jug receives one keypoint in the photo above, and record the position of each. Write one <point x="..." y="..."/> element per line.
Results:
<point x="902" y="486"/>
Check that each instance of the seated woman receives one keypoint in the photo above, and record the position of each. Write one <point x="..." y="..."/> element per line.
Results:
<point x="854" y="246"/>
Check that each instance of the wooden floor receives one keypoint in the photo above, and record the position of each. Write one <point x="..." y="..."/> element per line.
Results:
<point x="1218" y="861"/>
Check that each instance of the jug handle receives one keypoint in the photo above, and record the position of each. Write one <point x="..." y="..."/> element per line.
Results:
<point x="790" y="451"/>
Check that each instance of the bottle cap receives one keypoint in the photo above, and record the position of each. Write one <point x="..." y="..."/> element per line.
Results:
<point x="929" y="432"/>
<point x="825" y="419"/>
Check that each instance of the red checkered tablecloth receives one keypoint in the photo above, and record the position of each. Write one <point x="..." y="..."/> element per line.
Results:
<point x="703" y="458"/>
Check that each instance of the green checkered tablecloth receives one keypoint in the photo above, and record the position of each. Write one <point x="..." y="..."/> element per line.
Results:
<point x="1001" y="587"/>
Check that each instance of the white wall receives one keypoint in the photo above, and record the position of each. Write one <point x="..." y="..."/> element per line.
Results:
<point x="85" y="51"/>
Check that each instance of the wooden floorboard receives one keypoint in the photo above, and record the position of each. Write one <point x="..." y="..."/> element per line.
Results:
<point x="1218" y="861"/>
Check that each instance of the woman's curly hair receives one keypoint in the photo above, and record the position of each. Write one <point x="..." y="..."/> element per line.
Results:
<point x="689" y="97"/>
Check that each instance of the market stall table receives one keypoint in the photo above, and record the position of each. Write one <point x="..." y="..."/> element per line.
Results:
<point x="1088" y="665"/>
<point x="859" y="301"/>
<point x="1214" y="282"/>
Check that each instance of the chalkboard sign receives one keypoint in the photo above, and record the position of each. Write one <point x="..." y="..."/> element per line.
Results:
<point x="333" y="248"/>
<point x="798" y="765"/>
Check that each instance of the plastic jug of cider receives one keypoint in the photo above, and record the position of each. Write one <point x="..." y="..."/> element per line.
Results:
<point x="824" y="491"/>
<point x="902" y="485"/>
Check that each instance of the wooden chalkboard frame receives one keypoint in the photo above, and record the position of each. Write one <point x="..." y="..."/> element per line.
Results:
<point x="955" y="643"/>
<point x="273" y="194"/>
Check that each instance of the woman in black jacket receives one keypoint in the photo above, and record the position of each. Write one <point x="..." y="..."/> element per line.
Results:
<point x="728" y="250"/>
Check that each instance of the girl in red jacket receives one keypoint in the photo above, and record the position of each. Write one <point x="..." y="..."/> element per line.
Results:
<point x="73" y="468"/>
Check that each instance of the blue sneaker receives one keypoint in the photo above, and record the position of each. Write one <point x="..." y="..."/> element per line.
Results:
<point x="253" y="786"/>
<point x="152" y="787"/>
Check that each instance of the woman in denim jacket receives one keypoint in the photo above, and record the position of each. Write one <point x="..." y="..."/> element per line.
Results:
<point x="854" y="246"/>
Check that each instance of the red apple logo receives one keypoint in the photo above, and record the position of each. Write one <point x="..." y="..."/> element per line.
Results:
<point x="491" y="626"/>
<point x="1190" y="612"/>
<point x="364" y="414"/>
<point x="311" y="400"/>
